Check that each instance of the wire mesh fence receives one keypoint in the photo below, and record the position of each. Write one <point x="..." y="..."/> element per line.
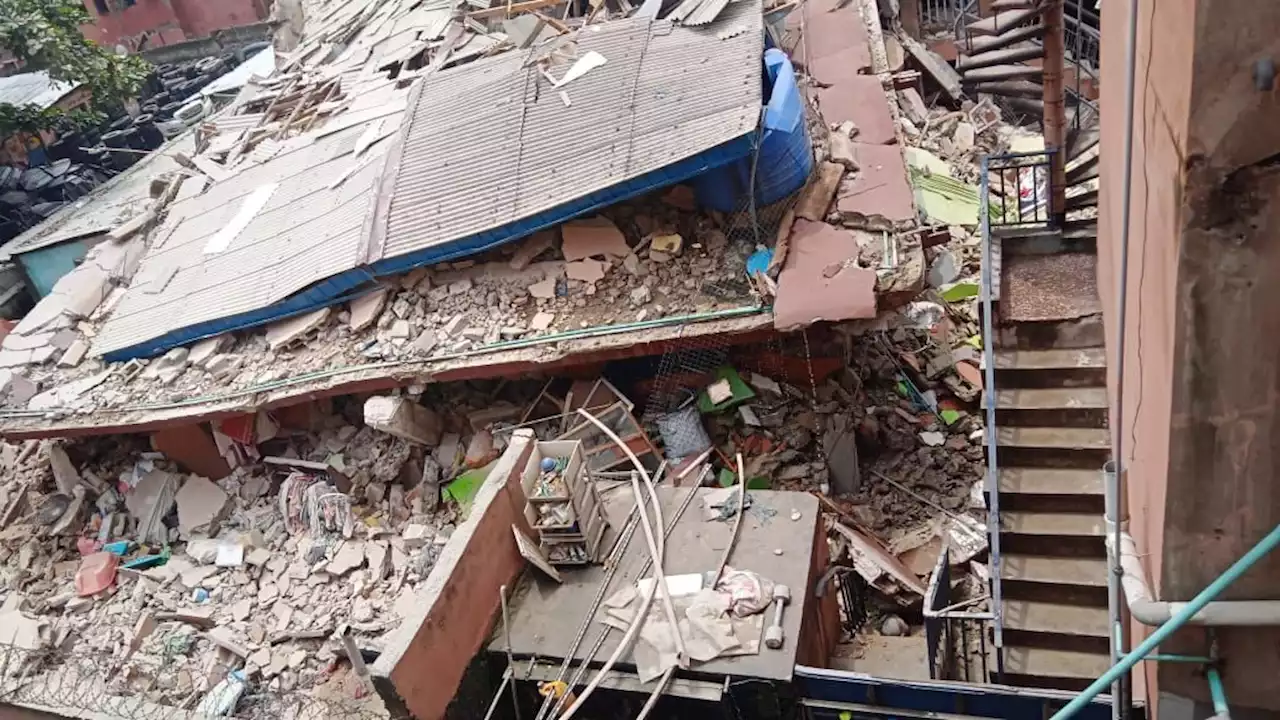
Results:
<point x="112" y="684"/>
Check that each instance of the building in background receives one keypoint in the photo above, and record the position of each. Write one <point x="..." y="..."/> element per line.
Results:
<point x="138" y="25"/>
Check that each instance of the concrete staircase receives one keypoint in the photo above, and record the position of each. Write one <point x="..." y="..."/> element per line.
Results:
<point x="1052" y="439"/>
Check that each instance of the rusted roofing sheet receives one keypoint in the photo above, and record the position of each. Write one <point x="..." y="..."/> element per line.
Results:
<point x="495" y="144"/>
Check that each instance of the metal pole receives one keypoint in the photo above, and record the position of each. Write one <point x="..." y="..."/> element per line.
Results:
<point x="506" y="631"/>
<point x="992" y="482"/>
<point x="1111" y="495"/>
<point x="1221" y="711"/>
<point x="1124" y="698"/>
<point x="1162" y="633"/>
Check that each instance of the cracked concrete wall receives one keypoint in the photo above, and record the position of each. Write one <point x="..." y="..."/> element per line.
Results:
<point x="424" y="660"/>
<point x="1202" y="339"/>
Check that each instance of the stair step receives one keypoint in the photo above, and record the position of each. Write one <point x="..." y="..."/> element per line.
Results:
<point x="1002" y="21"/>
<point x="966" y="63"/>
<point x="1080" y="398"/>
<point x="1082" y="229"/>
<point x="1000" y="72"/>
<point x="1055" y="618"/>
<point x="1010" y="88"/>
<point x="995" y="42"/>
<point x="1057" y="524"/>
<point x="1051" y="359"/>
<point x="1045" y="662"/>
<point x="1054" y="438"/>
<point x="1050" y="481"/>
<point x="1013" y="4"/>
<point x="1087" y="170"/>
<point x="1050" y="570"/>
<point x="1031" y="107"/>
<point x="1082" y="141"/>
<point x="1082" y="200"/>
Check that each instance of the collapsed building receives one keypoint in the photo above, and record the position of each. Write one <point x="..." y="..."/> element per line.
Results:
<point x="268" y="443"/>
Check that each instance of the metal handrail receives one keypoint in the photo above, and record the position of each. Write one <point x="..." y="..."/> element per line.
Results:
<point x="992" y="482"/>
<point x="945" y="624"/>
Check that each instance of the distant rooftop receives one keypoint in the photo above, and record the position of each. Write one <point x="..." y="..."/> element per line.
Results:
<point x="33" y="88"/>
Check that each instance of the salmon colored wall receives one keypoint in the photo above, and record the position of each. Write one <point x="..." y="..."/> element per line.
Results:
<point x="164" y="22"/>
<point x="1162" y="94"/>
<point x="1200" y="432"/>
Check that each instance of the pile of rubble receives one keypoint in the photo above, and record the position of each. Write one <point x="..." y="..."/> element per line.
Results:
<point x="315" y="537"/>
<point x="643" y="260"/>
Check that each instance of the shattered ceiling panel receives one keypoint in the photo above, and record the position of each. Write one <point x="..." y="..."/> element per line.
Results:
<point x="663" y="95"/>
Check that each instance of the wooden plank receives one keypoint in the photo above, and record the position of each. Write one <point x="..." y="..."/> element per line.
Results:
<point x="513" y="9"/>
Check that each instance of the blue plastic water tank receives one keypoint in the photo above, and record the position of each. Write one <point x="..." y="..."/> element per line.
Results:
<point x="785" y="155"/>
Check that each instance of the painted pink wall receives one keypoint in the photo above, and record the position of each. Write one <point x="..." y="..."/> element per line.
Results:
<point x="152" y="23"/>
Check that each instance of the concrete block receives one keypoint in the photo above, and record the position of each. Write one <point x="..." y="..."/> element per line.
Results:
<point x="403" y="418"/>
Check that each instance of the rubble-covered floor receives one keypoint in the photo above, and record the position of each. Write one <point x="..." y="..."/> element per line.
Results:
<point x="236" y="573"/>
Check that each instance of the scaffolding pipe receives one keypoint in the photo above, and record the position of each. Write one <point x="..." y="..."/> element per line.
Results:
<point x="1221" y="711"/>
<point x="1181" y="617"/>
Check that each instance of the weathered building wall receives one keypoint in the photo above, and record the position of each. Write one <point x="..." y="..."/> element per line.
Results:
<point x="1202" y="336"/>
<point x="151" y="20"/>
<point x="156" y="23"/>
<point x="425" y="658"/>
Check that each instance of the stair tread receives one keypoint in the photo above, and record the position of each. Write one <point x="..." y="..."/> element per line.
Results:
<point x="1076" y="172"/>
<point x="1056" y="618"/>
<point x="1075" y="398"/>
<point x="1063" y="438"/>
<point x="1000" y="72"/>
<point x="994" y="42"/>
<point x="1031" y="522"/>
<point x="1055" y="663"/>
<point x="1082" y="200"/>
<point x="1080" y="229"/>
<point x="1051" y="570"/>
<point x="1050" y="481"/>
<point x="1050" y="359"/>
<point x="1002" y="21"/>
<point x="1009" y="88"/>
<point x="1082" y="141"/>
<point x="998" y="57"/>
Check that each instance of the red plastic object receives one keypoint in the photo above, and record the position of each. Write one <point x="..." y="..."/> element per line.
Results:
<point x="87" y="546"/>
<point x="97" y="573"/>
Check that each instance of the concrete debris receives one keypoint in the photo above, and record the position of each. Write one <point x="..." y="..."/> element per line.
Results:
<point x="366" y="309"/>
<point x="201" y="503"/>
<point x="294" y="329"/>
<point x="592" y="237"/>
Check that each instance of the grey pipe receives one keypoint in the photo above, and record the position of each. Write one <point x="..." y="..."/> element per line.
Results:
<point x="1137" y="592"/>
<point x="1115" y="619"/>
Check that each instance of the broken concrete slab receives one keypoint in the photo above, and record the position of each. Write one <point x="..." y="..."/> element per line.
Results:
<point x="16" y="388"/>
<point x="842" y="151"/>
<point x="151" y="499"/>
<point x="208" y="347"/>
<point x="290" y="330"/>
<point x="200" y="504"/>
<point x="532" y="247"/>
<point x="224" y="637"/>
<point x="543" y="290"/>
<point x="73" y="354"/>
<point x="542" y="321"/>
<point x="859" y="98"/>
<point x="403" y="418"/>
<point x="588" y="270"/>
<point x="590" y="237"/>
<point x="350" y="556"/>
<point x="816" y="196"/>
<point x="65" y="474"/>
<point x="366" y="309"/>
<point x="821" y="280"/>
<point x="879" y="196"/>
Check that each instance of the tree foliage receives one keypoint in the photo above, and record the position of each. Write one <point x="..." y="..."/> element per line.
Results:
<point x="45" y="34"/>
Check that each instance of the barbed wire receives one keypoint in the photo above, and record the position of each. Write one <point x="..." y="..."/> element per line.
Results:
<point x="173" y="686"/>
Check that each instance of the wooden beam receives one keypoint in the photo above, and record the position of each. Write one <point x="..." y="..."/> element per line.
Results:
<point x="513" y="9"/>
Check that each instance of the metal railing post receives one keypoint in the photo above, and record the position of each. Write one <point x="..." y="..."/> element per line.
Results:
<point x="992" y="483"/>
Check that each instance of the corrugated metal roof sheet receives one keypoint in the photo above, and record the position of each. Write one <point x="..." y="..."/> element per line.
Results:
<point x="305" y="233"/>
<point x="33" y="88"/>
<point x="663" y="95"/>
<point x="490" y="154"/>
